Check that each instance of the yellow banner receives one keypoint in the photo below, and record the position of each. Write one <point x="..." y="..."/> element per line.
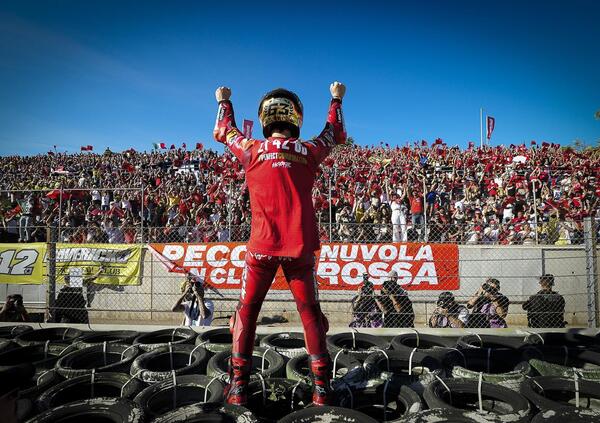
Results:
<point x="22" y="263"/>
<point x="112" y="264"/>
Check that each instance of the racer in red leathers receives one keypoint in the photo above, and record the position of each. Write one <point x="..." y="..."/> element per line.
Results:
<point x="280" y="173"/>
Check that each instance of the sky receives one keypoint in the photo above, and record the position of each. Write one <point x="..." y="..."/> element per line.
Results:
<point x="124" y="74"/>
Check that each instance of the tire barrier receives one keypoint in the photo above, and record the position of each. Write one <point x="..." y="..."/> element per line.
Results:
<point x="112" y="337"/>
<point x="571" y="339"/>
<point x="552" y="393"/>
<point x="567" y="416"/>
<point x="25" y="409"/>
<point x="162" y="397"/>
<point x="160" y="363"/>
<point x="432" y="345"/>
<point x="106" y="410"/>
<point x="39" y="383"/>
<point x="11" y="332"/>
<point x="288" y="344"/>
<point x="266" y="362"/>
<point x="42" y="357"/>
<point x="7" y="344"/>
<point x="568" y="362"/>
<point x="59" y="335"/>
<point x="384" y="402"/>
<point x="490" y="341"/>
<point x="359" y="345"/>
<point x="473" y="395"/>
<point x="208" y="413"/>
<point x="274" y="398"/>
<point x="451" y="416"/>
<point x="412" y="368"/>
<point x="216" y="340"/>
<point x="100" y="358"/>
<point x="106" y="385"/>
<point x="502" y="366"/>
<point x="327" y="414"/>
<point x="346" y="367"/>
<point x="161" y="338"/>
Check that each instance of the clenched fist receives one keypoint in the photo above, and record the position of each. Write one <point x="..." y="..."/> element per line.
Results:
<point x="337" y="90"/>
<point x="223" y="93"/>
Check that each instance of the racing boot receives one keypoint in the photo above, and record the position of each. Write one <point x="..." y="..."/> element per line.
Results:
<point x="320" y="366"/>
<point x="235" y="392"/>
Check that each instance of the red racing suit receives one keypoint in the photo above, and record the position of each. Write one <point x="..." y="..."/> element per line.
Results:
<point x="280" y="174"/>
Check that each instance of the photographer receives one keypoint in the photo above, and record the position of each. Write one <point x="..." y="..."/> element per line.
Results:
<point x="546" y="308"/>
<point x="197" y="311"/>
<point x="365" y="312"/>
<point x="489" y="307"/>
<point x="448" y="313"/>
<point x="13" y="310"/>
<point x="394" y="303"/>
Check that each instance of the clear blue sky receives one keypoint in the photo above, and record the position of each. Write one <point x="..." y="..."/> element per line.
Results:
<point x="123" y="74"/>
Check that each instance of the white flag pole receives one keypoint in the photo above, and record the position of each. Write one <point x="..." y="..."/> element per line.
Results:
<point x="481" y="127"/>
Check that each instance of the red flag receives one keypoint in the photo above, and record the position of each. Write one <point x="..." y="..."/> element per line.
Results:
<point x="184" y="146"/>
<point x="471" y="144"/>
<point x="438" y="141"/>
<point x="545" y="144"/>
<point x="90" y="148"/>
<point x="51" y="153"/>
<point x="128" y="167"/>
<point x="83" y="148"/>
<point x="163" y="145"/>
<point x="491" y="123"/>
<point x="248" y="124"/>
<point x="172" y="147"/>
<point x="199" y="146"/>
<point x="533" y="142"/>
<point x="423" y="143"/>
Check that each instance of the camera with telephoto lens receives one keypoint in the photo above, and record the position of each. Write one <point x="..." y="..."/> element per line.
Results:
<point x="490" y="289"/>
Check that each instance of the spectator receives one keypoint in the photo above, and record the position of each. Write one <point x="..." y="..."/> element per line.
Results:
<point x="546" y="308"/>
<point x="70" y="305"/>
<point x="396" y="307"/>
<point x="489" y="307"/>
<point x="13" y="309"/>
<point x="365" y="312"/>
<point x="197" y="310"/>
<point x="448" y="313"/>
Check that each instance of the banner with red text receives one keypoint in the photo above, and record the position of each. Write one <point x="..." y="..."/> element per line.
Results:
<point x="338" y="266"/>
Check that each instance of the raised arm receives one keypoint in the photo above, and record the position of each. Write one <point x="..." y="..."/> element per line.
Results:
<point x="226" y="131"/>
<point x="335" y="131"/>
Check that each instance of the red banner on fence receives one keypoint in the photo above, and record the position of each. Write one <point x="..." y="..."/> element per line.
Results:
<point x="338" y="266"/>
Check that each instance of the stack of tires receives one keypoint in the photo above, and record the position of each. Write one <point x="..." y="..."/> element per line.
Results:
<point x="176" y="375"/>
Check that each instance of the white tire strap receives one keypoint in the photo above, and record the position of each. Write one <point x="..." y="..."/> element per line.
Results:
<point x="294" y="394"/>
<point x="46" y="345"/>
<point x="387" y="358"/>
<point x="41" y="376"/>
<point x="262" y="363"/>
<point x="92" y="382"/>
<point x="461" y="354"/>
<point x="264" y="388"/>
<point x="445" y="386"/>
<point x="576" y="380"/>
<point x="479" y="395"/>
<point x="174" y="388"/>
<point x="171" y="355"/>
<point x="417" y="337"/>
<point x="192" y="353"/>
<point x="566" y="355"/>
<point x="129" y="380"/>
<point x="335" y="360"/>
<point x="125" y="350"/>
<point x="489" y="356"/>
<point x="410" y="358"/>
<point x="104" y="346"/>
<point x="206" y="387"/>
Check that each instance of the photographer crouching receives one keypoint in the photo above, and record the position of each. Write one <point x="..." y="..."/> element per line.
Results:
<point x="489" y="307"/>
<point x="197" y="311"/>
<point x="13" y="309"/>
<point x="365" y="312"/>
<point x="395" y="305"/>
<point x="448" y="313"/>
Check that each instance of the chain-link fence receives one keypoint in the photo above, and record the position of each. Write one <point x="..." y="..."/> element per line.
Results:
<point x="124" y="277"/>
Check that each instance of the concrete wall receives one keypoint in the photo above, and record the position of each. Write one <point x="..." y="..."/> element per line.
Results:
<point x="517" y="267"/>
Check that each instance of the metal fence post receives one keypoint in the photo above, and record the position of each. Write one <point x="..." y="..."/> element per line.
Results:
<point x="51" y="291"/>
<point x="142" y="215"/>
<point x="589" y="231"/>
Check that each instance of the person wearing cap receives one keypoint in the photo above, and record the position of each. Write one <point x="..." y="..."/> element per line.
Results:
<point x="197" y="310"/>
<point x="546" y="308"/>
<point x="448" y="313"/>
<point x="395" y="305"/>
<point x="365" y="312"/>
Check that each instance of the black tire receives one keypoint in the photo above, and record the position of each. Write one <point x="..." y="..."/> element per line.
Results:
<point x="218" y="365"/>
<point x="155" y="366"/>
<point x="400" y="401"/>
<point x="328" y="414"/>
<point x="7" y="344"/>
<point x="24" y="409"/>
<point x="358" y="344"/>
<point x="41" y="380"/>
<point x="563" y="356"/>
<point x="346" y="366"/>
<point x="106" y="385"/>
<point x="435" y="346"/>
<point x="42" y="357"/>
<point x="288" y="344"/>
<point x="216" y="340"/>
<point x="59" y="335"/>
<point x="281" y="396"/>
<point x="117" y="410"/>
<point x="551" y="393"/>
<point x="11" y="332"/>
<point x="113" y="358"/>
<point x="490" y="341"/>
<point x="209" y="413"/>
<point x="160" y="338"/>
<point x="157" y="399"/>
<point x="570" y="338"/>
<point x="570" y="415"/>
<point x="113" y="337"/>
<point x="463" y="395"/>
<point x="450" y="416"/>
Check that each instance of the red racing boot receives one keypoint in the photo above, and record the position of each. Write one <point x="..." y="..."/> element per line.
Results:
<point x="319" y="369"/>
<point x="235" y="392"/>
